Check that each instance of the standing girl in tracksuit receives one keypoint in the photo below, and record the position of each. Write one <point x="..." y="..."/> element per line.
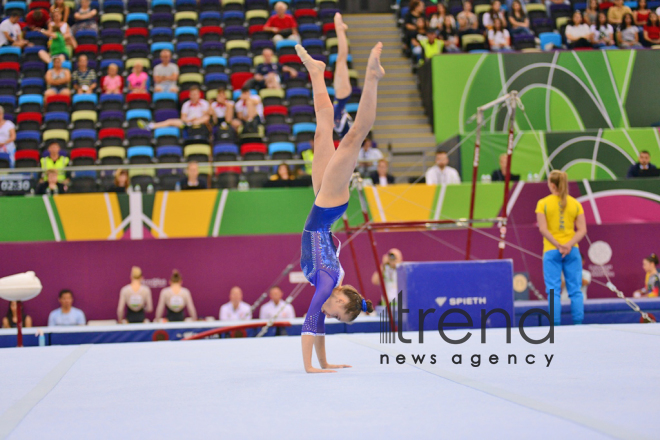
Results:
<point x="562" y="223"/>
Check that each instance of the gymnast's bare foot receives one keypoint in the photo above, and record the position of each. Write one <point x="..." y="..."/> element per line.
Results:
<point x="374" y="69"/>
<point x="313" y="66"/>
<point x="339" y="23"/>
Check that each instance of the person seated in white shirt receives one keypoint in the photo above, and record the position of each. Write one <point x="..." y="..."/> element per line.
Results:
<point x="441" y="173"/>
<point x="235" y="309"/>
<point x="66" y="314"/>
<point x="277" y="307"/>
<point x="368" y="156"/>
<point x="194" y="112"/>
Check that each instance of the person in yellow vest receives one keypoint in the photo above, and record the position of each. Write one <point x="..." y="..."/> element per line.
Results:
<point x="431" y="47"/>
<point x="558" y="216"/>
<point x="308" y="157"/>
<point x="56" y="161"/>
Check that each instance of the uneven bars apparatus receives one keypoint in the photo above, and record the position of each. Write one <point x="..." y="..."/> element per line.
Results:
<point x="513" y="101"/>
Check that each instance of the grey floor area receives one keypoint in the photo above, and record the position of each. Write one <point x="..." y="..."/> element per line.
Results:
<point x="603" y="382"/>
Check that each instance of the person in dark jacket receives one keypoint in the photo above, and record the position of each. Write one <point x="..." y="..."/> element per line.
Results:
<point x="382" y="176"/>
<point x="643" y="168"/>
<point x="500" y="175"/>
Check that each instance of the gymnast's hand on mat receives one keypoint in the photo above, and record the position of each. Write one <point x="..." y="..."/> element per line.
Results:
<point x="318" y="370"/>
<point x="332" y="366"/>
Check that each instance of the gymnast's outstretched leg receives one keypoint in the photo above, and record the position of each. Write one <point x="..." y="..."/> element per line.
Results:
<point x="340" y="168"/>
<point x="342" y="82"/>
<point x="324" y="147"/>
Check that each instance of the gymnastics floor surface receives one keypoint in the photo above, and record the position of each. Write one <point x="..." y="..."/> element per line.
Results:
<point x="602" y="382"/>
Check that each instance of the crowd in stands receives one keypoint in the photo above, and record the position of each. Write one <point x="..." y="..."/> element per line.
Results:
<point x="431" y="28"/>
<point x="161" y="81"/>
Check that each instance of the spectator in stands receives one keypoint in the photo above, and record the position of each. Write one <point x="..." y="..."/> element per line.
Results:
<point x="56" y="46"/>
<point x="652" y="280"/>
<point x="419" y="38"/>
<point x="136" y="298"/>
<point x="57" y="80"/>
<point x="518" y="20"/>
<point x="248" y="112"/>
<point x="85" y="17"/>
<point x="438" y="19"/>
<point x="628" y="34"/>
<point x="463" y="28"/>
<point x="498" y="37"/>
<point x="276" y="306"/>
<point x="652" y="30"/>
<point x="37" y="19"/>
<point x="471" y="20"/>
<point x="192" y="181"/>
<point x="283" y="173"/>
<point x="432" y="46"/>
<point x="391" y="260"/>
<point x="578" y="33"/>
<point x="10" y="320"/>
<point x="603" y="32"/>
<point x="194" y="113"/>
<point x="441" y="172"/>
<point x="416" y="11"/>
<point x="121" y="182"/>
<point x="138" y="79"/>
<point x="641" y="15"/>
<point x="62" y="8"/>
<point x="549" y="3"/>
<point x="282" y="25"/>
<point x="112" y="82"/>
<point x="591" y="13"/>
<point x="66" y="314"/>
<point x="450" y="37"/>
<point x="175" y="298"/>
<point x="368" y="156"/>
<point x="84" y="79"/>
<point x="235" y="309"/>
<point x="10" y="32"/>
<point x="382" y="176"/>
<point x="643" y="168"/>
<point x="616" y="12"/>
<point x="51" y="186"/>
<point x="7" y="137"/>
<point x="270" y="69"/>
<point x="61" y="25"/>
<point x="55" y="160"/>
<point x="488" y="19"/>
<point x="221" y="113"/>
<point x="166" y="74"/>
<point x="499" y="175"/>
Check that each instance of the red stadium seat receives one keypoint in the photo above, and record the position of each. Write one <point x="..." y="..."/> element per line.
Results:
<point x="27" y="154"/>
<point x="276" y="110"/>
<point x="112" y="133"/>
<point x="305" y="13"/>
<point x="328" y="27"/>
<point x="87" y="49"/>
<point x="238" y="79"/>
<point x="83" y="152"/>
<point x="430" y="10"/>
<point x="220" y="170"/>
<point x="254" y="148"/>
<point x="39" y="5"/>
<point x="138" y="97"/>
<point x="217" y="30"/>
<point x="33" y="116"/>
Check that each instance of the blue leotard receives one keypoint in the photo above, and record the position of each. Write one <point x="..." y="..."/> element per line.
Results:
<point x="320" y="263"/>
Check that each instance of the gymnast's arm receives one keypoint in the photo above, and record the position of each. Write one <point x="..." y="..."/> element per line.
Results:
<point x="313" y="331"/>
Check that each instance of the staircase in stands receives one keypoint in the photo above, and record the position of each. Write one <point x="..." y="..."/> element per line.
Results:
<point x="401" y="121"/>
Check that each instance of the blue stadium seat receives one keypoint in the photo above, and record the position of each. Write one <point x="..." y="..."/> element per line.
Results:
<point x="157" y="47"/>
<point x="15" y="6"/>
<point x="304" y="127"/>
<point x="161" y="34"/>
<point x="137" y="19"/>
<point x="550" y="38"/>
<point x="10" y="53"/>
<point x="165" y="96"/>
<point x="303" y="146"/>
<point x="167" y="131"/>
<point x="169" y="150"/>
<point x="139" y="151"/>
<point x="91" y="97"/>
<point x="333" y="59"/>
<point x="225" y="148"/>
<point x="186" y="30"/>
<point x="138" y="113"/>
<point x="281" y="146"/>
<point x="215" y="80"/>
<point x="65" y="65"/>
<point x="214" y="61"/>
